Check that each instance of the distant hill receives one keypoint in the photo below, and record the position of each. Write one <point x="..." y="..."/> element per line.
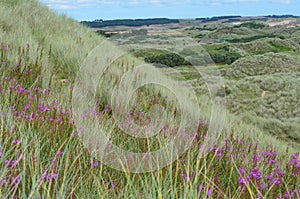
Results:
<point x="100" y="23"/>
<point x="240" y="18"/>
<point x="128" y="22"/>
<point x="211" y="19"/>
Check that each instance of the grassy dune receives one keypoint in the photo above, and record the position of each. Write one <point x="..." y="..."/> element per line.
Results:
<point x="42" y="156"/>
<point x="268" y="63"/>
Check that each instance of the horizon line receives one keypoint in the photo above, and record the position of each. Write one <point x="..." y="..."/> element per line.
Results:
<point x="201" y="17"/>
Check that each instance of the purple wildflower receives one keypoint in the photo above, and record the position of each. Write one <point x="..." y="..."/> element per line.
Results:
<point x="3" y="181"/>
<point x="200" y="188"/>
<point x="75" y="134"/>
<point x="60" y="153"/>
<point x="241" y="170"/>
<point x="95" y="164"/>
<point x="16" y="142"/>
<point x="241" y="181"/>
<point x="185" y="177"/>
<point x="209" y="192"/>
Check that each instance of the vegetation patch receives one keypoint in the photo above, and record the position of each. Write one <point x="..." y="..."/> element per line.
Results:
<point x="252" y="25"/>
<point x="222" y="54"/>
<point x="280" y="48"/>
<point x="252" y="38"/>
<point x="162" y="57"/>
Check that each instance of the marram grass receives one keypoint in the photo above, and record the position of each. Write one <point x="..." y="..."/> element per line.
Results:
<point x="41" y="155"/>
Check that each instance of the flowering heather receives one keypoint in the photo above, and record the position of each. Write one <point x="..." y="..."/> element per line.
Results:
<point x="42" y="153"/>
<point x="49" y="176"/>
<point x="95" y="164"/>
<point x="249" y="170"/>
<point x="15" y="142"/>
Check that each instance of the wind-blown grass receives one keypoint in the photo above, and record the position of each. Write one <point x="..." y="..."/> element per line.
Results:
<point x="41" y="155"/>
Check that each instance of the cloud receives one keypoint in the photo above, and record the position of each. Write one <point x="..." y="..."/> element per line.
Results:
<point x="58" y="1"/>
<point x="222" y="2"/>
<point x="99" y="3"/>
<point x="64" y="7"/>
<point x="281" y="1"/>
<point x="135" y="2"/>
<point x="72" y="4"/>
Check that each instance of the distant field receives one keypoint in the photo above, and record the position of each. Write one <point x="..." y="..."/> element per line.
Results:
<point x="251" y="65"/>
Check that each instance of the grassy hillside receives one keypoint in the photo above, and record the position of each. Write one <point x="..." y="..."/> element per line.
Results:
<point x="41" y="153"/>
<point x="36" y="29"/>
<point x="268" y="63"/>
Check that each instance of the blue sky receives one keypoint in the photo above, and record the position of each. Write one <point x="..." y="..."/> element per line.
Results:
<point x="126" y="9"/>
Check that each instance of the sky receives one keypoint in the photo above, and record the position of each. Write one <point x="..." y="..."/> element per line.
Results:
<point x="89" y="10"/>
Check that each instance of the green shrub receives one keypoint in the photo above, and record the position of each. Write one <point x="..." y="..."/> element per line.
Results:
<point x="252" y="25"/>
<point x="163" y="57"/>
<point x="223" y="54"/>
<point x="251" y="38"/>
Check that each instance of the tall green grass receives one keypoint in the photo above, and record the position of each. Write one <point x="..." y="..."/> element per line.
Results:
<point x="41" y="156"/>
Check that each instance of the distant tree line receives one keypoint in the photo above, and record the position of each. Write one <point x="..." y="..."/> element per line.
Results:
<point x="128" y="22"/>
<point x="282" y="16"/>
<point x="100" y="23"/>
<point x="238" y="18"/>
<point x="211" y="19"/>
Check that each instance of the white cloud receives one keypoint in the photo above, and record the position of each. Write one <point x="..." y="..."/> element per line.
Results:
<point x="61" y="6"/>
<point x="220" y="2"/>
<point x="282" y="1"/>
<point x="85" y="1"/>
<point x="168" y="2"/>
<point x="71" y="4"/>
<point x="135" y="2"/>
<point x="115" y="2"/>
<point x="65" y="7"/>
<point x="58" y="1"/>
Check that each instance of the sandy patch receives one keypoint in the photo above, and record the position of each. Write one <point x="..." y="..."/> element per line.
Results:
<point x="281" y="23"/>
